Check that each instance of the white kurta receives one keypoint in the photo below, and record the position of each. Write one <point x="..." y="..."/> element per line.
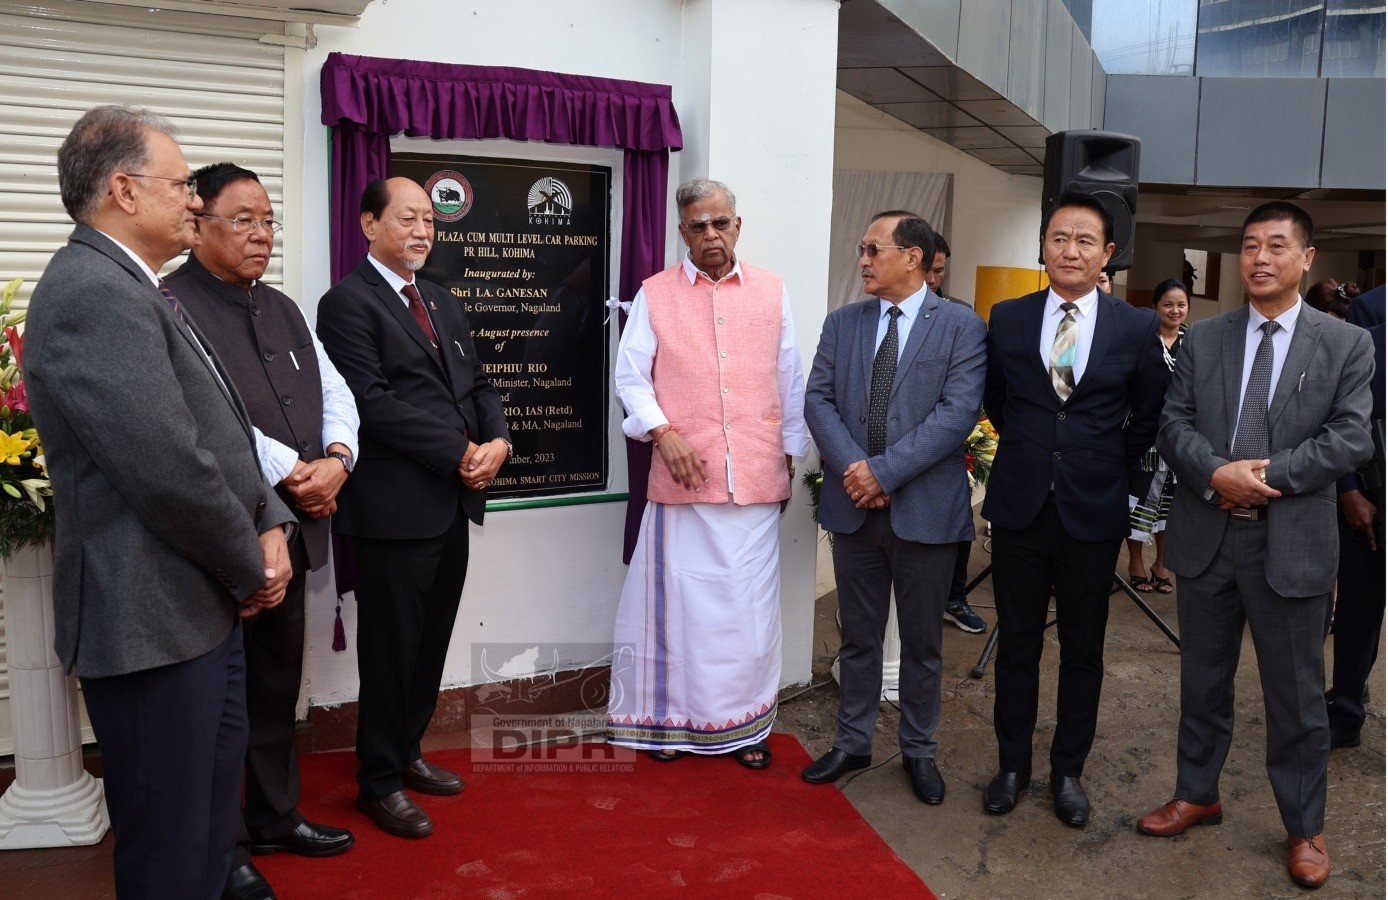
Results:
<point x="697" y="651"/>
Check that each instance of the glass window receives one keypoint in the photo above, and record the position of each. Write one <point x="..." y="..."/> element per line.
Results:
<point x="1353" y="46"/>
<point x="1250" y="38"/>
<point x="1145" y="37"/>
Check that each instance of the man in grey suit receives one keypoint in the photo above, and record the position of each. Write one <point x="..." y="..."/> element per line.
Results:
<point x="895" y="389"/>
<point x="1268" y="405"/>
<point x="167" y="533"/>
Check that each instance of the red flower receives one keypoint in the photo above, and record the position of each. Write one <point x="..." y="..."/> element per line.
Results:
<point x="968" y="462"/>
<point x="16" y="342"/>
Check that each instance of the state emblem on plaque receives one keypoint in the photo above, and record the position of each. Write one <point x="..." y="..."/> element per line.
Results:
<point x="451" y="195"/>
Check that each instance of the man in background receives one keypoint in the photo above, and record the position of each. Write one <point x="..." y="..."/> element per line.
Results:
<point x="167" y="533"/>
<point x="306" y="438"/>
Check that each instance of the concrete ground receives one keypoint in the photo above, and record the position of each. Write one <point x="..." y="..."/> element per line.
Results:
<point x="961" y="852"/>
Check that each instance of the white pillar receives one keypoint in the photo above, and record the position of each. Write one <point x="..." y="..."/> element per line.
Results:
<point x="756" y="104"/>
<point x="53" y="801"/>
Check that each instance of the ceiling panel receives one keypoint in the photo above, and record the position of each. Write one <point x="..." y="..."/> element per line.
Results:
<point x="883" y="86"/>
<point x="969" y="138"/>
<point x="930" y="115"/>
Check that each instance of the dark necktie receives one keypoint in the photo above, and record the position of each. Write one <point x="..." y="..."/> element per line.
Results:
<point x="1067" y="335"/>
<point x="420" y="314"/>
<point x="1251" y="438"/>
<point x="173" y="302"/>
<point x="883" y="374"/>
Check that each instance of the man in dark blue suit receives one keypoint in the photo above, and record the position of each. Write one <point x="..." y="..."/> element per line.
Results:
<point x="1075" y="385"/>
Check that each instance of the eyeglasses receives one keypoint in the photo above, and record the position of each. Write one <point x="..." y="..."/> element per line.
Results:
<point x="191" y="182"/>
<point x="871" y="250"/>
<point x="720" y="224"/>
<point x="246" y="224"/>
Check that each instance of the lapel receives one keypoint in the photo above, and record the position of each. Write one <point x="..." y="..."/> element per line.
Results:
<point x="202" y="351"/>
<point x="1299" y="354"/>
<point x="925" y="319"/>
<point x="867" y="345"/>
<point x="1105" y="327"/>
<point x="1235" y="335"/>
<point x="1032" y="314"/>
<point x="395" y="306"/>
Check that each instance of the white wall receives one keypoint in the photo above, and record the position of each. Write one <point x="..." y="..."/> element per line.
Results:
<point x="766" y="83"/>
<point x="995" y="216"/>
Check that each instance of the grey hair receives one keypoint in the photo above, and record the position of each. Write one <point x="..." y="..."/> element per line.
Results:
<point x="106" y="140"/>
<point x="702" y="189"/>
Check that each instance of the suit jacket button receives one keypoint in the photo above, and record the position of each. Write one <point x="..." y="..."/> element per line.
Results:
<point x="1060" y="415"/>
<point x="259" y="508"/>
<point x="303" y="446"/>
<point x="269" y="355"/>
<point x="255" y="310"/>
<point x="287" y="400"/>
<point x="1055" y="455"/>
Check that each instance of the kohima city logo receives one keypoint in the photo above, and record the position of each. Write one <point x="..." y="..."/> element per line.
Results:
<point x="550" y="202"/>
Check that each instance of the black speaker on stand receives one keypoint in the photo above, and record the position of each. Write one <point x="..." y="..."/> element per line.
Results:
<point x="1104" y="165"/>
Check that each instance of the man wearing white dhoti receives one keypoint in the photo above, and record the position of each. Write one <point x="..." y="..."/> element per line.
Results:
<point x="709" y="371"/>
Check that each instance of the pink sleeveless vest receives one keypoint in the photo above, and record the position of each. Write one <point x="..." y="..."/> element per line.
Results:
<point x="715" y="380"/>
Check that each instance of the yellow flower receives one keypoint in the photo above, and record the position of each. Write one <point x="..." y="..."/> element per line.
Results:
<point x="13" y="446"/>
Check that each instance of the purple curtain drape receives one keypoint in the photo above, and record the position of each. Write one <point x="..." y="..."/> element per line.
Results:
<point x="366" y="100"/>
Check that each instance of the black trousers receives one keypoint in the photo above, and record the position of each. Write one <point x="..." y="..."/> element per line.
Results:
<point x="1027" y="566"/>
<point x="407" y="601"/>
<point x="1358" y="621"/>
<point x="274" y="642"/>
<point x="172" y="742"/>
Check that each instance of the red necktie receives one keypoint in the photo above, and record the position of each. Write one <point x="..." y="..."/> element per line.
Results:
<point x="420" y="315"/>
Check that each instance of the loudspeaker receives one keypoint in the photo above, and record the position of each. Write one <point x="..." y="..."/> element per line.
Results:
<point x="1102" y="164"/>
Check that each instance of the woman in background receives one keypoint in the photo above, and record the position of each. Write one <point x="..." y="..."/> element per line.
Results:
<point x="1171" y="299"/>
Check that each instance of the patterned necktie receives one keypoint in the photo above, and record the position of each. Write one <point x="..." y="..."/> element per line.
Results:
<point x="173" y="302"/>
<point x="883" y="374"/>
<point x="1067" y="335"/>
<point x="1251" y="438"/>
<point x="417" y="310"/>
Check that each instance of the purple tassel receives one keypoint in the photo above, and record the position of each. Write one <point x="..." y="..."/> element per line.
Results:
<point x="339" y="633"/>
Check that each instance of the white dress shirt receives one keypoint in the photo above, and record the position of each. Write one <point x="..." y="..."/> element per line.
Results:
<point x="910" y="309"/>
<point x="1281" y="342"/>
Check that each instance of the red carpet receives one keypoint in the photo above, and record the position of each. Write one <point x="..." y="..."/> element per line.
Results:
<point x="699" y="827"/>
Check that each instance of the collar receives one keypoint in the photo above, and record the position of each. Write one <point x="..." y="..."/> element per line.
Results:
<point x="149" y="273"/>
<point x="215" y="283"/>
<point x="910" y="307"/>
<point x="692" y="272"/>
<point x="395" y="281"/>
<point x="1086" y="303"/>
<point x="1287" y="320"/>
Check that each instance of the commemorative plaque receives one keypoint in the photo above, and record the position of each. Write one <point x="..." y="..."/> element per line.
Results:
<point x="523" y="245"/>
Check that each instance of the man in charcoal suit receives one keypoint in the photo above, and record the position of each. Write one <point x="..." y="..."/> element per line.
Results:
<point x="432" y="438"/>
<point x="894" y="392"/>
<point x="1268" y="406"/>
<point x="167" y="532"/>
<point x="1075" y="383"/>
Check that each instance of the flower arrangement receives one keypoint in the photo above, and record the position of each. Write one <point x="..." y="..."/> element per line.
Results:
<point x="979" y="448"/>
<point x="26" y="516"/>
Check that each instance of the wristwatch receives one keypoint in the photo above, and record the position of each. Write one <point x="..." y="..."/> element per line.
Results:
<point x="510" y="450"/>
<point x="343" y="458"/>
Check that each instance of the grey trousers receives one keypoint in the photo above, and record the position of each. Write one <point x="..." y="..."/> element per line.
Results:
<point x="1288" y="637"/>
<point x="868" y="565"/>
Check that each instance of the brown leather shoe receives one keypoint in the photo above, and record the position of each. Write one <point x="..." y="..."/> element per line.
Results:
<point x="1178" y="815"/>
<point x="427" y="778"/>
<point x="397" y="814"/>
<point x="1307" y="860"/>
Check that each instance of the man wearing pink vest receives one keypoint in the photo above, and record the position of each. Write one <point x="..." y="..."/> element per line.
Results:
<point x="708" y="370"/>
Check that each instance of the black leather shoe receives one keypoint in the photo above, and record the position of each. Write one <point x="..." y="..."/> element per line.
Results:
<point x="1071" y="804"/>
<point x="427" y="778"/>
<point x="246" y="883"/>
<point x="833" y="764"/>
<point x="926" y="780"/>
<point x="397" y="814"/>
<point x="1000" y="796"/>
<point x="1340" y="739"/>
<point x="308" y="839"/>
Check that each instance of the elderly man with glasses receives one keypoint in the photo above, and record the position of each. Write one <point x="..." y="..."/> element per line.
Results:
<point x="894" y="392"/>
<point x="709" y="372"/>
<point x="306" y="437"/>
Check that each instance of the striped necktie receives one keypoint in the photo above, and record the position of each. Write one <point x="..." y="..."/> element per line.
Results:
<point x="173" y="302"/>
<point x="1067" y="335"/>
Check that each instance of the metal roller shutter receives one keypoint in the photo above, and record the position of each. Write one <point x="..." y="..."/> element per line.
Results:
<point x="213" y="76"/>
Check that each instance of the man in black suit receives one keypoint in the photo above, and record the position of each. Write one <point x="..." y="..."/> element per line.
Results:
<point x="432" y="438"/>
<point x="306" y="437"/>
<point x="1075" y="385"/>
<point x="168" y="535"/>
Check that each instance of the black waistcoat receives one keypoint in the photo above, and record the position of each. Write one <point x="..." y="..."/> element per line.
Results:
<point x="264" y="343"/>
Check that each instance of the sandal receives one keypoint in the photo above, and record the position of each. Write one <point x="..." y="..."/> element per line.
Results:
<point x="1163" y="585"/>
<point x="743" y="758"/>
<point x="1140" y="583"/>
<point x="665" y="755"/>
